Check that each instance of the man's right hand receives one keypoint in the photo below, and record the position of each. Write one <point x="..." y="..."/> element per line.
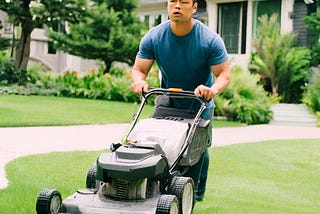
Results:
<point x="139" y="86"/>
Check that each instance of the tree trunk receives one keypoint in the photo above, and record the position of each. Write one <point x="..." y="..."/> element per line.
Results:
<point x="108" y="67"/>
<point x="274" y="86"/>
<point x="23" y="48"/>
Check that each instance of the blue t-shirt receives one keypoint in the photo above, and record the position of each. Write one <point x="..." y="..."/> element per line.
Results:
<point x="184" y="61"/>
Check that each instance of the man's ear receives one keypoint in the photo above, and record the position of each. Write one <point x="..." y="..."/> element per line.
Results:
<point x="195" y="7"/>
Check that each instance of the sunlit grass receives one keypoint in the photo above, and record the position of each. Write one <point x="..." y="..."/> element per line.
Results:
<point x="269" y="177"/>
<point x="20" y="111"/>
<point x="49" y="111"/>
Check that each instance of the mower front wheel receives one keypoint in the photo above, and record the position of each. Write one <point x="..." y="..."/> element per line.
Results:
<point x="49" y="202"/>
<point x="168" y="204"/>
<point x="183" y="188"/>
<point x="91" y="177"/>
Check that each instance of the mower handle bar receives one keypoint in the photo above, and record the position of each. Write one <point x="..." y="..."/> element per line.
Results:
<point x="173" y="92"/>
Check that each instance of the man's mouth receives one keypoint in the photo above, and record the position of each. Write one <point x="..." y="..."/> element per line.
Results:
<point x="176" y="13"/>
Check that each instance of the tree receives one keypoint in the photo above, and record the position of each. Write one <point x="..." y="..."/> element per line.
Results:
<point x="275" y="58"/>
<point x="34" y="14"/>
<point x="109" y="32"/>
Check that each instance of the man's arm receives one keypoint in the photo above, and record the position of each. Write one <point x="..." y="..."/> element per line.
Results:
<point x="139" y="74"/>
<point x="222" y="75"/>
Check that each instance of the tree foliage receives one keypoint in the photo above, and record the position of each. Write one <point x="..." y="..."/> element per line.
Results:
<point x="109" y="32"/>
<point x="29" y="15"/>
<point x="281" y="64"/>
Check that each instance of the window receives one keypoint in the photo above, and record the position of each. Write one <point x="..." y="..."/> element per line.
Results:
<point x="157" y="20"/>
<point x="51" y="49"/>
<point x="232" y="25"/>
<point x="264" y="7"/>
<point x="147" y="20"/>
<point x="8" y="28"/>
<point x="152" y="20"/>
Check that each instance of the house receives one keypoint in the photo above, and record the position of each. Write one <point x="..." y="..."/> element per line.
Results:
<point x="235" y="20"/>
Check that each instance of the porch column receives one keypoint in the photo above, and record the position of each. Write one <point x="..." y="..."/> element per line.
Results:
<point x="212" y="10"/>
<point x="286" y="16"/>
<point x="249" y="28"/>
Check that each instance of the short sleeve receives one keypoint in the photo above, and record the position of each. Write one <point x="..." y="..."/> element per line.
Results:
<point x="217" y="51"/>
<point x="145" y="48"/>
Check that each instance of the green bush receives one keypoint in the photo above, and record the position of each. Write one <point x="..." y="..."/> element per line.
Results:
<point x="284" y="69"/>
<point x="10" y="75"/>
<point x="93" y="84"/>
<point x="69" y="84"/>
<point x="315" y="54"/>
<point x="244" y="100"/>
<point x="312" y="96"/>
<point x="119" y="88"/>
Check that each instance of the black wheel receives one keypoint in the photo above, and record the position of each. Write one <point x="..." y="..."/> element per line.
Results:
<point x="183" y="188"/>
<point x="168" y="204"/>
<point x="49" y="202"/>
<point x="91" y="177"/>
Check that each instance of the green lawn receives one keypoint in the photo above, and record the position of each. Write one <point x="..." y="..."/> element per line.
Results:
<point x="269" y="177"/>
<point x="19" y="111"/>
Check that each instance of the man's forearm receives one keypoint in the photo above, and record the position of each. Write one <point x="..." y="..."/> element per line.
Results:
<point x="221" y="83"/>
<point x="137" y="76"/>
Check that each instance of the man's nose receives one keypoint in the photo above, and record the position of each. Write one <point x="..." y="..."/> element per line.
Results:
<point x="178" y="4"/>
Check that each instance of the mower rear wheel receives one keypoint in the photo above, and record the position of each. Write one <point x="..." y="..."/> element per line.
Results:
<point x="91" y="177"/>
<point x="168" y="204"/>
<point x="49" y="202"/>
<point x="183" y="188"/>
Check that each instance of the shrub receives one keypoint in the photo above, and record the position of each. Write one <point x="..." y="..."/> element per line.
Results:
<point x="10" y="75"/>
<point x="244" y="100"/>
<point x="311" y="96"/>
<point x="119" y="88"/>
<point x="92" y="84"/>
<point x="68" y="84"/>
<point x="283" y="67"/>
<point x="315" y="55"/>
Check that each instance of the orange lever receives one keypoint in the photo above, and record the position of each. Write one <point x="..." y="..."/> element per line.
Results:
<point x="175" y="89"/>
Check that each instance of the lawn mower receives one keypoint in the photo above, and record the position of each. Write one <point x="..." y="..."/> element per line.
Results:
<point x="144" y="172"/>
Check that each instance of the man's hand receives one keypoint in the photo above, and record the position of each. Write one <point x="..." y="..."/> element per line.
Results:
<point x="206" y="92"/>
<point x="139" y="86"/>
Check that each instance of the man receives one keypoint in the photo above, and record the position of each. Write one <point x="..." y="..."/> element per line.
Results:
<point x="188" y="54"/>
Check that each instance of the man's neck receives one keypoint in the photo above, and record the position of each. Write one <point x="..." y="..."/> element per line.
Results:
<point x="181" y="28"/>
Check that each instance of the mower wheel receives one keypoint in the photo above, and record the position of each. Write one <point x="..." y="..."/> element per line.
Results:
<point x="168" y="204"/>
<point x="49" y="202"/>
<point x="183" y="188"/>
<point x="91" y="177"/>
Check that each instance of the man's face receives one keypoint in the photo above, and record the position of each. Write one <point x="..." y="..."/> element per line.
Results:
<point x="181" y="10"/>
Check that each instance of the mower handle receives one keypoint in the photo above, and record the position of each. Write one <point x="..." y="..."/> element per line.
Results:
<point x="171" y="92"/>
<point x="174" y="92"/>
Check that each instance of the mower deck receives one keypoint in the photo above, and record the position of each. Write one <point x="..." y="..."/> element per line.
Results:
<point x="86" y="201"/>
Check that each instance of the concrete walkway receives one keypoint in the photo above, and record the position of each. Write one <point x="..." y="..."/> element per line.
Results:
<point x="18" y="142"/>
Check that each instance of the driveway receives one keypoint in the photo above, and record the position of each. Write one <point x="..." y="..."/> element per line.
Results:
<point x="17" y="142"/>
